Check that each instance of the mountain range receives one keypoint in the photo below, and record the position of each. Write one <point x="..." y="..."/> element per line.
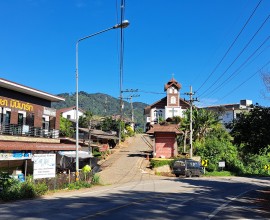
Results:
<point x="102" y="105"/>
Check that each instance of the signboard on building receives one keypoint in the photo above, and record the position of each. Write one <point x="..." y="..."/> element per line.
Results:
<point x="15" y="155"/>
<point x="44" y="165"/>
<point x="49" y="111"/>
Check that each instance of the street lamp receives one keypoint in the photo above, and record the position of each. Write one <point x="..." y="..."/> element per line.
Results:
<point x="124" y="24"/>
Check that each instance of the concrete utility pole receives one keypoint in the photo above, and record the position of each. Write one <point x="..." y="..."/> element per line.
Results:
<point x="122" y="107"/>
<point x="191" y="100"/>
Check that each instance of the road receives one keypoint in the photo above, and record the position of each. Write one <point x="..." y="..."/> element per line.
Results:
<point x="136" y="194"/>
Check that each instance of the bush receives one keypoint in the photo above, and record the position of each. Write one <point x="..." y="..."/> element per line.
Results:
<point x="79" y="185"/>
<point x="254" y="164"/>
<point x="40" y="189"/>
<point x="12" y="192"/>
<point x="158" y="162"/>
<point x="96" y="179"/>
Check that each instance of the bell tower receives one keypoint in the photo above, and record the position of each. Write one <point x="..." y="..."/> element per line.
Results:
<point x="172" y="89"/>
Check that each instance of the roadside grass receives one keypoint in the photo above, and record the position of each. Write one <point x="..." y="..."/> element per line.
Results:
<point x="218" y="173"/>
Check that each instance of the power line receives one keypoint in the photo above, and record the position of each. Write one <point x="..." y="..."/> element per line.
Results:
<point x="218" y="87"/>
<point x="245" y="80"/>
<point x="230" y="46"/>
<point x="245" y="47"/>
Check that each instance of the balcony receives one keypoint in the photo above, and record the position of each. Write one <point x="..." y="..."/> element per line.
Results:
<point x="26" y="131"/>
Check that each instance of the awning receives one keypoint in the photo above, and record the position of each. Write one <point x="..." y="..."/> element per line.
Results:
<point x="72" y="154"/>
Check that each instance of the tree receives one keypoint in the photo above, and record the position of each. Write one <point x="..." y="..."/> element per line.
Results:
<point x="266" y="80"/>
<point x="85" y="121"/>
<point x="216" y="147"/>
<point x="251" y="131"/>
<point x="66" y="127"/>
<point x="203" y="121"/>
<point x="109" y="124"/>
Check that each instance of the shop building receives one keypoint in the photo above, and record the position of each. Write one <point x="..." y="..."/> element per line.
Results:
<point x="28" y="125"/>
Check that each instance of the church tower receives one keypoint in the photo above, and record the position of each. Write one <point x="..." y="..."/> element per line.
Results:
<point x="172" y="89"/>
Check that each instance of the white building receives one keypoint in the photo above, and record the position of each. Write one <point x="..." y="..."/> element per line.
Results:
<point x="70" y="113"/>
<point x="229" y="112"/>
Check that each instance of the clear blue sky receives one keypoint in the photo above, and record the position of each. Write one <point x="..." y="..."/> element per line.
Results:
<point x="185" y="38"/>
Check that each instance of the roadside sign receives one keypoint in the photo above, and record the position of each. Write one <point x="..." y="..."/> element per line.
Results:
<point x="44" y="165"/>
<point x="204" y="163"/>
<point x="221" y="164"/>
<point x="267" y="167"/>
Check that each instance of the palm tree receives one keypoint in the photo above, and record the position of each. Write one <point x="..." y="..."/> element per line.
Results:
<point x="202" y="122"/>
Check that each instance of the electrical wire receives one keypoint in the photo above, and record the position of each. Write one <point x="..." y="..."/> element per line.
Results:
<point x="228" y="79"/>
<point x="245" y="80"/>
<point x="241" y="52"/>
<point x="224" y="56"/>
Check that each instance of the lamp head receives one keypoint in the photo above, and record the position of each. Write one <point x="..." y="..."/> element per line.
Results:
<point x="124" y="24"/>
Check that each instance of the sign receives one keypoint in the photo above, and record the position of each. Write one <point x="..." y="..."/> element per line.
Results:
<point x="16" y="155"/>
<point x="221" y="164"/>
<point x="204" y="163"/>
<point x="44" y="165"/>
<point x="267" y="167"/>
<point x="16" y="104"/>
<point x="49" y="111"/>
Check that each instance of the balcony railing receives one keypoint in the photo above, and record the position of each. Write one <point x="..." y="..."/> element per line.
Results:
<point x="26" y="130"/>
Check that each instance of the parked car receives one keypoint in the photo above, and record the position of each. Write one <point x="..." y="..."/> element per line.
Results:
<point x="187" y="167"/>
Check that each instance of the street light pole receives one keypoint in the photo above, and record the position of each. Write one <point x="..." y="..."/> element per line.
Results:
<point x="124" y="24"/>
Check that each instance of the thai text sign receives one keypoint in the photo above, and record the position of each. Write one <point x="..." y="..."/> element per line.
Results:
<point x="16" y="104"/>
<point x="44" y="165"/>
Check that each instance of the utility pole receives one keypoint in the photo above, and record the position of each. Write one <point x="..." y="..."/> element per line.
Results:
<point x="191" y="100"/>
<point x="122" y="107"/>
<point x="132" y="110"/>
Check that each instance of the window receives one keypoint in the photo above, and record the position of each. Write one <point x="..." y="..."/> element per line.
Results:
<point x="7" y="117"/>
<point x="20" y="119"/>
<point x="45" y="124"/>
<point x="173" y="100"/>
<point x="68" y="116"/>
<point x="30" y="119"/>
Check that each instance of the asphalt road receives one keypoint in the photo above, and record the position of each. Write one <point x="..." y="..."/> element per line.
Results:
<point x="137" y="194"/>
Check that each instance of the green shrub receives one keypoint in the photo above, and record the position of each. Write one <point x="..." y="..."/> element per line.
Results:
<point x="40" y="189"/>
<point x="254" y="164"/>
<point x="158" y="162"/>
<point x="27" y="190"/>
<point x="79" y="185"/>
<point x="96" y="179"/>
<point x="11" y="192"/>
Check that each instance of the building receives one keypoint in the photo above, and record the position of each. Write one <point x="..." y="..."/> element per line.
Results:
<point x="165" y="142"/>
<point x="28" y="126"/>
<point x="229" y="112"/>
<point x="168" y="107"/>
<point x="70" y="113"/>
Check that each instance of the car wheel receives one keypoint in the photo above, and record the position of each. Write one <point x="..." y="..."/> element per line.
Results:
<point x="177" y="175"/>
<point x="188" y="174"/>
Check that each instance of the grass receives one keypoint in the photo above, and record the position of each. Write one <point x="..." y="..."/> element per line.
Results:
<point x="218" y="173"/>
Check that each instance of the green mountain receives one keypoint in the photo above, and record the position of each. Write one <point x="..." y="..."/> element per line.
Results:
<point x="102" y="105"/>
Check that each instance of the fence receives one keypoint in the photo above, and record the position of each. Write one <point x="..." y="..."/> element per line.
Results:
<point x="26" y="130"/>
<point x="61" y="181"/>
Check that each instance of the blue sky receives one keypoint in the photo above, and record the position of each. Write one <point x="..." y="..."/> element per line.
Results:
<point x="186" y="39"/>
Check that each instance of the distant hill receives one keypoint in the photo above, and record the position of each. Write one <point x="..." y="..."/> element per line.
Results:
<point x="103" y="105"/>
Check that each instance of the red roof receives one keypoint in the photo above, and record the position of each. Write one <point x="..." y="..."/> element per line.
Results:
<point x="170" y="128"/>
<point x="17" y="145"/>
<point x="171" y="83"/>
